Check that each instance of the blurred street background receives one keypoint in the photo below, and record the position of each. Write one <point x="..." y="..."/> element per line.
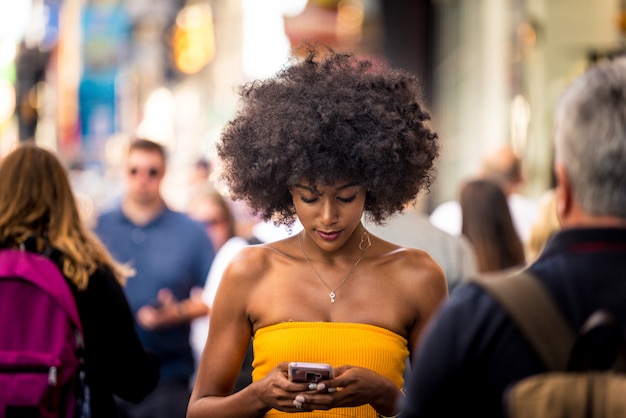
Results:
<point x="83" y="76"/>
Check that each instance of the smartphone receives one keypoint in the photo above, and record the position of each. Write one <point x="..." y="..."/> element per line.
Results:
<point x="309" y="372"/>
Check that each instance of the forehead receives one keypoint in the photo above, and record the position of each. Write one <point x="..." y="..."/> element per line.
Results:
<point x="144" y="158"/>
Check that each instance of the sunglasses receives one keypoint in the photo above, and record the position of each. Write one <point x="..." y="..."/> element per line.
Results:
<point x="211" y="222"/>
<point x="152" y="172"/>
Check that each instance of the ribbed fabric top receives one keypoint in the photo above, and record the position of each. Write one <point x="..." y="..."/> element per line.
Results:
<point x="335" y="343"/>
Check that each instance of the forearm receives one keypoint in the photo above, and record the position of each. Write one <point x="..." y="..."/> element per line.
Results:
<point x="191" y="308"/>
<point x="387" y="403"/>
<point x="171" y="313"/>
<point x="243" y="404"/>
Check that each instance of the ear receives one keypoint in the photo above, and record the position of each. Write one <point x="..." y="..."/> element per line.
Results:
<point x="564" y="195"/>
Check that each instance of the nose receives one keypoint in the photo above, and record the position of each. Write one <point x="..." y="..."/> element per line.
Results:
<point x="328" y="213"/>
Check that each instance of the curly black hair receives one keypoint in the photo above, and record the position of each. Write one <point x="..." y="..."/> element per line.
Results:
<point x="329" y="117"/>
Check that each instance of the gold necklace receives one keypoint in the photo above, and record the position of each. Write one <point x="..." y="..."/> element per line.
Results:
<point x="363" y="246"/>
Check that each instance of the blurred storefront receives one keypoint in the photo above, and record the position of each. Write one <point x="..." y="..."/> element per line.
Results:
<point x="499" y="69"/>
<point x="167" y="69"/>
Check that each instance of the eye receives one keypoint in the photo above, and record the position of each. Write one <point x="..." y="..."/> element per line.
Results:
<point x="308" y="200"/>
<point x="347" y="199"/>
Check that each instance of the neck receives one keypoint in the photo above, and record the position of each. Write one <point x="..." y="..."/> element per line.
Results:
<point x="142" y="214"/>
<point x="573" y="216"/>
<point x="594" y="222"/>
<point x="363" y="246"/>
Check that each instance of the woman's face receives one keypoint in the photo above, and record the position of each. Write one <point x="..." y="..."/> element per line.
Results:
<point x="210" y="213"/>
<point x="329" y="214"/>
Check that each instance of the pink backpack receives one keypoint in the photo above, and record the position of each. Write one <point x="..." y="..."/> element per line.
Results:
<point x="41" y="340"/>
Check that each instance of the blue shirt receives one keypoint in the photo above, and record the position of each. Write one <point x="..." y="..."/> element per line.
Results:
<point x="172" y="251"/>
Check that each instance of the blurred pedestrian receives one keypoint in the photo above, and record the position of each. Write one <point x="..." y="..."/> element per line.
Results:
<point x="38" y="212"/>
<point x="171" y="254"/>
<point x="473" y="350"/>
<point x="488" y="225"/>
<point x="504" y="166"/>
<point x="211" y="209"/>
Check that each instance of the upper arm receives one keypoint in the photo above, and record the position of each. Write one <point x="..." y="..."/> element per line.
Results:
<point x="430" y="293"/>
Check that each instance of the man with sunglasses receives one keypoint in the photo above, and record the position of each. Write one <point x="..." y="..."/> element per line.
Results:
<point x="171" y="255"/>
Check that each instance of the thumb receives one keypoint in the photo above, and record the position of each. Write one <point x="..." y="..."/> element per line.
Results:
<point x="165" y="296"/>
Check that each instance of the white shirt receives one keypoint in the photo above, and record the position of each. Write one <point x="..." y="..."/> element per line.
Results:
<point x="200" y="326"/>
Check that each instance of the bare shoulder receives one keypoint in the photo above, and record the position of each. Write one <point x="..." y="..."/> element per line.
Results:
<point x="254" y="262"/>
<point x="412" y="267"/>
<point x="407" y="257"/>
<point x="411" y="281"/>
<point x="248" y="258"/>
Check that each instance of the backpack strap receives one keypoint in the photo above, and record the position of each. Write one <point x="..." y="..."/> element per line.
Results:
<point x="536" y="315"/>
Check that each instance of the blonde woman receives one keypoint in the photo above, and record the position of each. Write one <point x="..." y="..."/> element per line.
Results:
<point x="38" y="211"/>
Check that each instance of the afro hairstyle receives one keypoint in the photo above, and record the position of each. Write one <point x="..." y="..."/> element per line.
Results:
<point x="326" y="117"/>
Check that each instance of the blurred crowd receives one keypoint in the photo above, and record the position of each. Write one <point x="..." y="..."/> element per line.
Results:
<point x="169" y="243"/>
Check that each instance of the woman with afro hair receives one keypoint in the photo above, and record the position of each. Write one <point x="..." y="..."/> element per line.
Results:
<point x="330" y="140"/>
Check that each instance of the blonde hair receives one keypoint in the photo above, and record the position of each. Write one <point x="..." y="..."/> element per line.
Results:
<point x="36" y="201"/>
<point x="546" y="224"/>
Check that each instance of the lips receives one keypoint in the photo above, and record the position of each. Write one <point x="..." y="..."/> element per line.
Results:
<point x="329" y="236"/>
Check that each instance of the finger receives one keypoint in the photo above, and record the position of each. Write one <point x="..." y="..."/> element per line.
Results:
<point x="165" y="295"/>
<point x="196" y="293"/>
<point x="146" y="317"/>
<point x="298" y="402"/>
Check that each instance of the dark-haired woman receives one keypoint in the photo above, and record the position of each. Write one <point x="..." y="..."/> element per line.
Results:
<point x="330" y="139"/>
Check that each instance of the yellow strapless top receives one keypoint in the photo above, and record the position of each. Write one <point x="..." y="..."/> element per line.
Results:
<point x="335" y="343"/>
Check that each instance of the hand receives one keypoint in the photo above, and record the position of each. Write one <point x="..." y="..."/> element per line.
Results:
<point x="167" y="313"/>
<point x="278" y="392"/>
<point x="358" y="386"/>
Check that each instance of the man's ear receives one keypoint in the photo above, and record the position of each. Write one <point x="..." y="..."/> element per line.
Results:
<point x="564" y="194"/>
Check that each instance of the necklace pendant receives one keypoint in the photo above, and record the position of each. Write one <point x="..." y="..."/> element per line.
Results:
<point x="332" y="297"/>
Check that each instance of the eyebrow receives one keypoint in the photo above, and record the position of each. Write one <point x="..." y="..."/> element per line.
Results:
<point x="313" y="189"/>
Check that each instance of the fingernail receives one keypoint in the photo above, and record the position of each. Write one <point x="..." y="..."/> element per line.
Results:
<point x="321" y="386"/>
<point x="300" y="399"/>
